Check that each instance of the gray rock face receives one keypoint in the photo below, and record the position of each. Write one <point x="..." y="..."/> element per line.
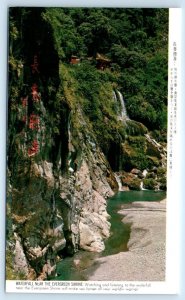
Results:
<point x="63" y="212"/>
<point x="59" y="208"/>
<point x="93" y="223"/>
<point x="21" y="264"/>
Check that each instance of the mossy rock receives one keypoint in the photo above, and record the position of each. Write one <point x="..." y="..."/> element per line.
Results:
<point x="153" y="150"/>
<point x="131" y="158"/>
<point x="160" y="136"/>
<point x="131" y="181"/>
<point x="137" y="142"/>
<point x="133" y="154"/>
<point x="11" y="274"/>
<point x="135" y="184"/>
<point x="111" y="181"/>
<point x="134" y="128"/>
<point x="154" y="161"/>
<point x="150" y="175"/>
<point x="161" y="171"/>
<point x="149" y="183"/>
<point x="140" y="161"/>
<point x="163" y="183"/>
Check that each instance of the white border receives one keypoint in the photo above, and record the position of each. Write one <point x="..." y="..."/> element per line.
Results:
<point x="177" y="179"/>
<point x="93" y="287"/>
<point x="173" y="204"/>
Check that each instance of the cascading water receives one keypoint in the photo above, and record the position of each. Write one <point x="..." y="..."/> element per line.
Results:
<point x="124" y="115"/>
<point x="69" y="131"/>
<point x="118" y="97"/>
<point x="145" y="173"/>
<point x="142" y="184"/>
<point x="114" y="96"/>
<point x="162" y="150"/>
<point x="154" y="142"/>
<point x="70" y="146"/>
<point x="118" y="182"/>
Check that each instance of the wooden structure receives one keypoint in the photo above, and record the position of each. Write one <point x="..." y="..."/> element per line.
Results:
<point x="74" y="60"/>
<point x="102" y="62"/>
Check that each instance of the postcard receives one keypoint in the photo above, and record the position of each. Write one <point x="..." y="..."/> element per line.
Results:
<point x="92" y="127"/>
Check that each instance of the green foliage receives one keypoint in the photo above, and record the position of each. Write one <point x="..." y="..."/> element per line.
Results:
<point x="149" y="183"/>
<point x="137" y="154"/>
<point x="67" y="42"/>
<point x="138" y="142"/>
<point x="163" y="183"/>
<point x="10" y="273"/>
<point x="134" y="184"/>
<point x="161" y="171"/>
<point x="93" y="90"/>
<point x="135" y="128"/>
<point x="140" y="161"/>
<point x="160" y="136"/>
<point x="135" y="41"/>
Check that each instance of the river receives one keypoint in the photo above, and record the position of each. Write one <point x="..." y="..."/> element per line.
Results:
<point x="83" y="263"/>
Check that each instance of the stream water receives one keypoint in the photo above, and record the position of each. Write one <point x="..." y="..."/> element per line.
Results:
<point x="83" y="263"/>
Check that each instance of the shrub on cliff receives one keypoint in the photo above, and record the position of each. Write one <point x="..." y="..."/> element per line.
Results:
<point x="149" y="183"/>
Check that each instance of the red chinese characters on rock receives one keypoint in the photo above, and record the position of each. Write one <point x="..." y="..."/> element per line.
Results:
<point x="24" y="119"/>
<point x="34" y="122"/>
<point x="35" y="93"/>
<point x="34" y="148"/>
<point x="35" y="65"/>
<point x="24" y="101"/>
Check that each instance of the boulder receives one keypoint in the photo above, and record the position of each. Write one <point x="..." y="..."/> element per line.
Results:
<point x="135" y="171"/>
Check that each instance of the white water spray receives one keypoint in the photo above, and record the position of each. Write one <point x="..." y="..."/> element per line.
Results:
<point x="118" y="180"/>
<point x="124" y="115"/>
<point x="118" y="97"/>
<point x="142" y="184"/>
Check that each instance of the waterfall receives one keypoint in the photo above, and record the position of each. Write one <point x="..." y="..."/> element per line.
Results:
<point x="141" y="184"/>
<point x="145" y="173"/>
<point x="114" y="96"/>
<point x="70" y="145"/>
<point x="124" y="115"/>
<point x="69" y="132"/>
<point x="117" y="96"/>
<point x="118" y="180"/>
<point x="160" y="148"/>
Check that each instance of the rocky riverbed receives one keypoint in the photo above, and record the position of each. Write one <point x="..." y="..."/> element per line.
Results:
<point x="145" y="260"/>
